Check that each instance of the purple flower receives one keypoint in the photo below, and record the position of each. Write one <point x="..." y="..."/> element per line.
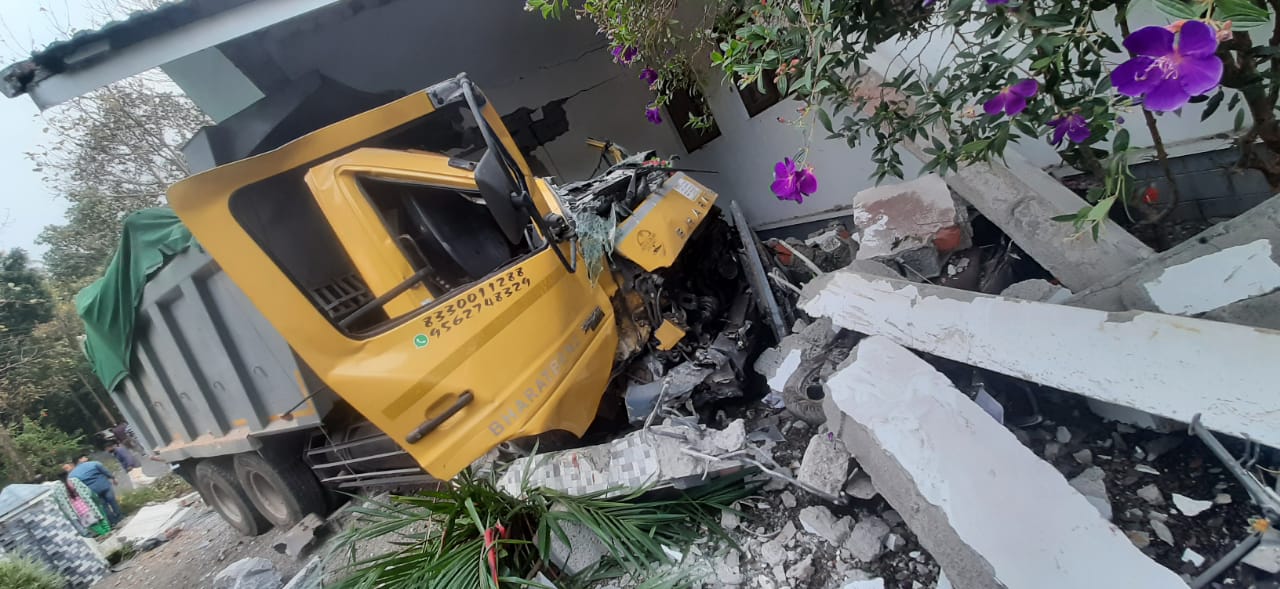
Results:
<point x="1168" y="75"/>
<point x="624" y="55"/>
<point x="1013" y="99"/>
<point x="649" y="75"/>
<point x="653" y="114"/>
<point x="1074" y="126"/>
<point x="792" y="184"/>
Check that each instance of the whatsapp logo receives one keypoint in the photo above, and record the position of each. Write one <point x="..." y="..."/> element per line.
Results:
<point x="420" y="341"/>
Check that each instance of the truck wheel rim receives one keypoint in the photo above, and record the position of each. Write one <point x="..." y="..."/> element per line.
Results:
<point x="221" y="500"/>
<point x="269" y="497"/>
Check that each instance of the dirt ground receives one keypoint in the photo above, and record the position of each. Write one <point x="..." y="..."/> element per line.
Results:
<point x="204" y="545"/>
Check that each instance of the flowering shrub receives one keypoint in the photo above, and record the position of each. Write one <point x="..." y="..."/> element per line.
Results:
<point x="646" y="32"/>
<point x="974" y="78"/>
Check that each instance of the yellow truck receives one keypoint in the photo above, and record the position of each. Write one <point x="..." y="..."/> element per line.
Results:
<point x="430" y="299"/>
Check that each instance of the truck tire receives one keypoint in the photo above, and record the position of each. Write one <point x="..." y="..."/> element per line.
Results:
<point x="284" y="491"/>
<point x="218" y="486"/>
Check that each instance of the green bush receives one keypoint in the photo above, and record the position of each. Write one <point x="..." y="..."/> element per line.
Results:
<point x="22" y="573"/>
<point x="163" y="489"/>
<point x="46" y="447"/>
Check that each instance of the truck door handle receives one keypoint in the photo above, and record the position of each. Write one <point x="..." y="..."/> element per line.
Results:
<point x="430" y="425"/>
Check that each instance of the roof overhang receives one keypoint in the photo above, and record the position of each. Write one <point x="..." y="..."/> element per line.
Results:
<point x="93" y="59"/>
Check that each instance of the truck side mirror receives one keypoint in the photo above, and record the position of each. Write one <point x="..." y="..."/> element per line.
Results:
<point x="499" y="192"/>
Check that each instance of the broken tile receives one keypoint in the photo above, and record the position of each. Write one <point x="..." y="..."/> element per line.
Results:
<point x="1139" y="539"/>
<point x="1188" y="506"/>
<point x="1193" y="557"/>
<point x="1151" y="494"/>
<point x="1162" y="531"/>
<point x="1091" y="483"/>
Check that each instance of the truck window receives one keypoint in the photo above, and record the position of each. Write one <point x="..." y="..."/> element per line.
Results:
<point x="446" y="230"/>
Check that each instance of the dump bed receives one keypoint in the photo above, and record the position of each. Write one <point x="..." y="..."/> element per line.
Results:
<point x="209" y="374"/>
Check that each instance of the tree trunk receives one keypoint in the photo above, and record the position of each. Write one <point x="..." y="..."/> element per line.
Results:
<point x="105" y="407"/>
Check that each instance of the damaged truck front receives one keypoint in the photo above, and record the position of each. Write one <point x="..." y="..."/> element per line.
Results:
<point x="408" y="296"/>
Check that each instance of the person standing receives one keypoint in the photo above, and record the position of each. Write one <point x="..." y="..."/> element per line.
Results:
<point x="99" y="480"/>
<point x="122" y="455"/>
<point x="76" y="503"/>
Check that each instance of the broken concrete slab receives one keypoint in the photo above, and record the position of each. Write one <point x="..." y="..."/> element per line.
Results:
<point x="911" y="223"/>
<point x="1148" y="361"/>
<point x="661" y="456"/>
<point x="152" y="521"/>
<point x="825" y="464"/>
<point x="1214" y="280"/>
<point x="787" y="366"/>
<point x="1213" y="251"/>
<point x="966" y="487"/>
<point x="300" y="537"/>
<point x="248" y="573"/>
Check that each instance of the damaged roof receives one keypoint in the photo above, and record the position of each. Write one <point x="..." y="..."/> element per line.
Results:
<point x="89" y="46"/>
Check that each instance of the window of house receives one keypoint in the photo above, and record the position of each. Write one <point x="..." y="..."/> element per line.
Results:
<point x="683" y="107"/>
<point x="756" y="101"/>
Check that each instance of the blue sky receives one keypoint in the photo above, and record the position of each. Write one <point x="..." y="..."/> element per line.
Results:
<point x="26" y="206"/>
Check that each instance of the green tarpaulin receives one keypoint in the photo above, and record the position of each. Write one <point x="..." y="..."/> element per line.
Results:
<point x="109" y="306"/>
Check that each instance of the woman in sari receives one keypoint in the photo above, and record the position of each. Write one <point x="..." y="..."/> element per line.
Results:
<point x="75" y="500"/>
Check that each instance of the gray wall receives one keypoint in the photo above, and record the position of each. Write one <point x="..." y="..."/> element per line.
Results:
<point x="1210" y="185"/>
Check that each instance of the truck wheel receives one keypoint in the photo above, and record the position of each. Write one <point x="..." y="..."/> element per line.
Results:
<point x="217" y="485"/>
<point x="285" y="492"/>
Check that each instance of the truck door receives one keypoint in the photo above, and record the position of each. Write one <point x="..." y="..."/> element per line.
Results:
<point x="372" y="248"/>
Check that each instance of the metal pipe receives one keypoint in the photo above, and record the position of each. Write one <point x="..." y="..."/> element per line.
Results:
<point x="1240" y="551"/>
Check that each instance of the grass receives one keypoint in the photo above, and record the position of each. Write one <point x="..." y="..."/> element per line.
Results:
<point x="476" y="537"/>
<point x="163" y="489"/>
<point x="23" y="573"/>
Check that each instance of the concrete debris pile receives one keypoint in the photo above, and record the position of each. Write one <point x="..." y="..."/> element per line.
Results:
<point x="954" y="401"/>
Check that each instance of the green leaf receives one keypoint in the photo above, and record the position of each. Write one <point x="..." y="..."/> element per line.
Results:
<point x="1065" y="218"/>
<point x="1181" y="9"/>
<point x="1243" y="14"/>
<point x="1121" y="141"/>
<point x="1239" y="124"/>
<point x="1212" y="105"/>
<point x="975" y="147"/>
<point x="825" y="119"/>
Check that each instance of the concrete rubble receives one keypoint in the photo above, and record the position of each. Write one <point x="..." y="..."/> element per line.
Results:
<point x="825" y="465"/>
<point x="915" y="224"/>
